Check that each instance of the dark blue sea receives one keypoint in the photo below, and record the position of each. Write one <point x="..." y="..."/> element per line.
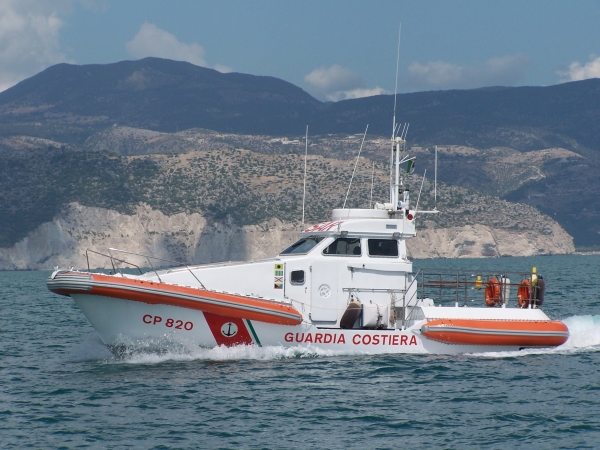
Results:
<point x="61" y="388"/>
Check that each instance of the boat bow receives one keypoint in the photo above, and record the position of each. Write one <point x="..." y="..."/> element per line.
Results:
<point x="157" y="293"/>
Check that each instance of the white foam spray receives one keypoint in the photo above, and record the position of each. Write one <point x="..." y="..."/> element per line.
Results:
<point x="222" y="353"/>
<point x="171" y="348"/>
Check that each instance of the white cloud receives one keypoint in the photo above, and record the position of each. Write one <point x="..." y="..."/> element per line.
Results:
<point x="29" y="41"/>
<point x="504" y="71"/>
<point x="436" y="73"/>
<point x="356" y="93"/>
<point x="223" y="69"/>
<point x="578" y="71"/>
<point x="152" y="41"/>
<point x="339" y="83"/>
<point x="334" y="78"/>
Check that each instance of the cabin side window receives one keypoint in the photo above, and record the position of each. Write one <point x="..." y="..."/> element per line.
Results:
<point x="383" y="248"/>
<point x="344" y="246"/>
<point x="297" y="277"/>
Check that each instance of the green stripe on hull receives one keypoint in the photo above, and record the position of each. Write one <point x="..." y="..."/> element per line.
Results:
<point x="254" y="335"/>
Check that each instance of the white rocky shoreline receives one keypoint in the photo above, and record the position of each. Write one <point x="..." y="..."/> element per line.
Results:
<point x="191" y="239"/>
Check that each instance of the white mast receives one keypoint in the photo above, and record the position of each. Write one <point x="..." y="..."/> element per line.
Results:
<point x="397" y="143"/>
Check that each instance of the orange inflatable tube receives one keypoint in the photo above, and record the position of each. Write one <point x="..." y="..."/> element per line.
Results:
<point x="154" y="293"/>
<point x="519" y="333"/>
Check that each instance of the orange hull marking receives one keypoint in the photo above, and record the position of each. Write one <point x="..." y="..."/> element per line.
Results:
<point x="235" y="304"/>
<point x="491" y="332"/>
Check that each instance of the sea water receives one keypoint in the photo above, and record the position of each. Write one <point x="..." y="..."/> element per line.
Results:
<point x="61" y="388"/>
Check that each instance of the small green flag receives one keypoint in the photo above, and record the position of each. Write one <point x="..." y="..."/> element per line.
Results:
<point x="410" y="167"/>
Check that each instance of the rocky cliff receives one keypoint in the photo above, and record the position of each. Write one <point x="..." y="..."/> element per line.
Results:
<point x="190" y="238"/>
<point x="476" y="241"/>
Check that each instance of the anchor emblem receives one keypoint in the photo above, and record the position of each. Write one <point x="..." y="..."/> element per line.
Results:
<point x="229" y="329"/>
<point x="324" y="290"/>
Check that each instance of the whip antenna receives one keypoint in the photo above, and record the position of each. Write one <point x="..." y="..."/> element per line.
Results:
<point x="396" y="86"/>
<point x="372" y="179"/>
<point x="394" y="127"/>
<point x="304" y="192"/>
<point x="355" y="164"/>
<point x="435" y="181"/>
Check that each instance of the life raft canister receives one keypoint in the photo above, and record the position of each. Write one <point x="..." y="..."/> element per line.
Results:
<point x="541" y="291"/>
<point x="492" y="293"/>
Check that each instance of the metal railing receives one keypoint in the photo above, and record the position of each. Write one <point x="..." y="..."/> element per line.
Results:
<point x="448" y="287"/>
<point x="112" y="261"/>
<point x="115" y="262"/>
<point x="465" y="287"/>
<point x="413" y="310"/>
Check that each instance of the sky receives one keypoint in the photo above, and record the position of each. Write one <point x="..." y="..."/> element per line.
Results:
<point x="333" y="49"/>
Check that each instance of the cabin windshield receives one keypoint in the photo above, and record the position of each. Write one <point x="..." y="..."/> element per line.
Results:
<point x="304" y="245"/>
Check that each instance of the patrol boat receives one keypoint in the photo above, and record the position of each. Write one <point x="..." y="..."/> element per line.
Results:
<point x="345" y="285"/>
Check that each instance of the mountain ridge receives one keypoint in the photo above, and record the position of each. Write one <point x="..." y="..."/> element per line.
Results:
<point x="162" y="95"/>
<point x="151" y="93"/>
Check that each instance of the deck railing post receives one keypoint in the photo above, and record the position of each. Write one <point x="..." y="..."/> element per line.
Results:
<point x="155" y="272"/>
<point x="466" y="291"/>
<point x="457" y="286"/>
<point x="112" y="262"/>
<point x="190" y="271"/>
<point x="404" y="311"/>
<point x="441" y="295"/>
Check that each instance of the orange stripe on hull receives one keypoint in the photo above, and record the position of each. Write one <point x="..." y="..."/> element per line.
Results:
<point x="549" y="333"/>
<point x="155" y="293"/>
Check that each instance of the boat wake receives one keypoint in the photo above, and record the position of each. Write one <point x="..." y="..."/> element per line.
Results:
<point x="584" y="337"/>
<point x="154" y="351"/>
<point x="242" y="352"/>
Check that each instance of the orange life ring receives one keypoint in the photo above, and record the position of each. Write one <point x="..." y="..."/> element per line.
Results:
<point x="524" y="293"/>
<point x="492" y="293"/>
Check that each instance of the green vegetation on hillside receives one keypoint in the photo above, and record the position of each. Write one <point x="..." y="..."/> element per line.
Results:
<point x="234" y="185"/>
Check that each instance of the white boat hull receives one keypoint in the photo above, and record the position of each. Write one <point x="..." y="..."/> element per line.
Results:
<point x="125" y="322"/>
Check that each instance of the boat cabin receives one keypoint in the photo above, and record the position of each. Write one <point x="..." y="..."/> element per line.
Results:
<point x="359" y="256"/>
